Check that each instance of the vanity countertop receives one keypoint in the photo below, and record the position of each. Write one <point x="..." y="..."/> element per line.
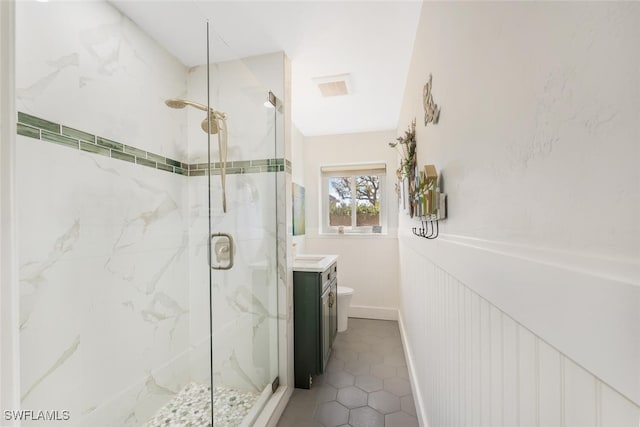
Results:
<point x="313" y="262"/>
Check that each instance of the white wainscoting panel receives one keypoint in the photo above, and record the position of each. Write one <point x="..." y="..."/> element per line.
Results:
<point x="471" y="364"/>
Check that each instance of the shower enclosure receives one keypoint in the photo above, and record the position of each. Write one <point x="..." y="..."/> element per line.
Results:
<point x="136" y="309"/>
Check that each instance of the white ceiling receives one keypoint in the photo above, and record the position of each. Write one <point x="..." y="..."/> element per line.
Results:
<point x="371" y="40"/>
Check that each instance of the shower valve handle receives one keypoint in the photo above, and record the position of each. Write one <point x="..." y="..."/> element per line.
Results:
<point x="222" y="251"/>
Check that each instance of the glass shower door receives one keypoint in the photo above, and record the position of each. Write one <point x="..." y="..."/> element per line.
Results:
<point x="233" y="265"/>
<point x="243" y="247"/>
<point x="108" y="333"/>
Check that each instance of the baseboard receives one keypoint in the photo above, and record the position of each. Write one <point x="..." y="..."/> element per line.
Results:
<point x="421" y="410"/>
<point x="378" y="313"/>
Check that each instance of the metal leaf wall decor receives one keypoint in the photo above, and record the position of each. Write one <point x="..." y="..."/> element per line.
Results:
<point x="431" y="109"/>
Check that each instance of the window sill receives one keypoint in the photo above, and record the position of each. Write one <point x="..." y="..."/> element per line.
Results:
<point x="354" y="236"/>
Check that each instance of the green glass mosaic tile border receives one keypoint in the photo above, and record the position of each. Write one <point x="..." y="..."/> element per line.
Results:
<point x="35" y="127"/>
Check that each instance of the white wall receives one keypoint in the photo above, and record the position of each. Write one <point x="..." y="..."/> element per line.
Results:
<point x="297" y="177"/>
<point x="285" y="243"/>
<point x="537" y="146"/>
<point x="368" y="264"/>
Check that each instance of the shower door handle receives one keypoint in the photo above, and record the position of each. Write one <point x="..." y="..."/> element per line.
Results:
<point x="223" y="249"/>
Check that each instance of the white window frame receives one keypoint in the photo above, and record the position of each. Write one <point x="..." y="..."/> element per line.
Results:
<point x="352" y="170"/>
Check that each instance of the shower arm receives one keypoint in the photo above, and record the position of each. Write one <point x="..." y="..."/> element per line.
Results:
<point x="212" y="112"/>
<point x="181" y="103"/>
<point x="221" y="119"/>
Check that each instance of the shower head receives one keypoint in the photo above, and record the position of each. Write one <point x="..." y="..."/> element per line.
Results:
<point x="210" y="124"/>
<point x="181" y="103"/>
<point x="175" y="103"/>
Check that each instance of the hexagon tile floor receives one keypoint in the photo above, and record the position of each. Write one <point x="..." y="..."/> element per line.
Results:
<point x="366" y="383"/>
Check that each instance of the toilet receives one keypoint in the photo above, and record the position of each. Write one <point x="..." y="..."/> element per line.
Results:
<point x="344" y="301"/>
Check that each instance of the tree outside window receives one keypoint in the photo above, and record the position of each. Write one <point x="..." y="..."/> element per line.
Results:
<point x="360" y="211"/>
<point x="353" y="198"/>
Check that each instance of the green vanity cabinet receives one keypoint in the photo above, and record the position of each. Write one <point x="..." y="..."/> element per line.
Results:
<point x="314" y="321"/>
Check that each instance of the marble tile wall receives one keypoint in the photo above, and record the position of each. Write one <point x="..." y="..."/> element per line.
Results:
<point x="39" y="128"/>
<point x="56" y="133"/>
<point x="104" y="280"/>
<point x="238" y="91"/>
<point x="245" y="304"/>
<point x="245" y="301"/>
<point x="110" y="76"/>
<point x="243" y="298"/>
<point x="113" y="269"/>
<point x="103" y="242"/>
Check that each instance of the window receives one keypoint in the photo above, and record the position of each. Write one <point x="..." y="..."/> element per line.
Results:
<point x="352" y="198"/>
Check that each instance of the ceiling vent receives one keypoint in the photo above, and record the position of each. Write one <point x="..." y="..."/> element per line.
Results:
<point x="337" y="85"/>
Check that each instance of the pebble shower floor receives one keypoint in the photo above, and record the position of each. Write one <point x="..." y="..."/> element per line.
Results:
<point x="192" y="407"/>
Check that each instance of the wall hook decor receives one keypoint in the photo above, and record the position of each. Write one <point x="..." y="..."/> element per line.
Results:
<point x="424" y="230"/>
<point x="431" y="109"/>
<point x="430" y="203"/>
